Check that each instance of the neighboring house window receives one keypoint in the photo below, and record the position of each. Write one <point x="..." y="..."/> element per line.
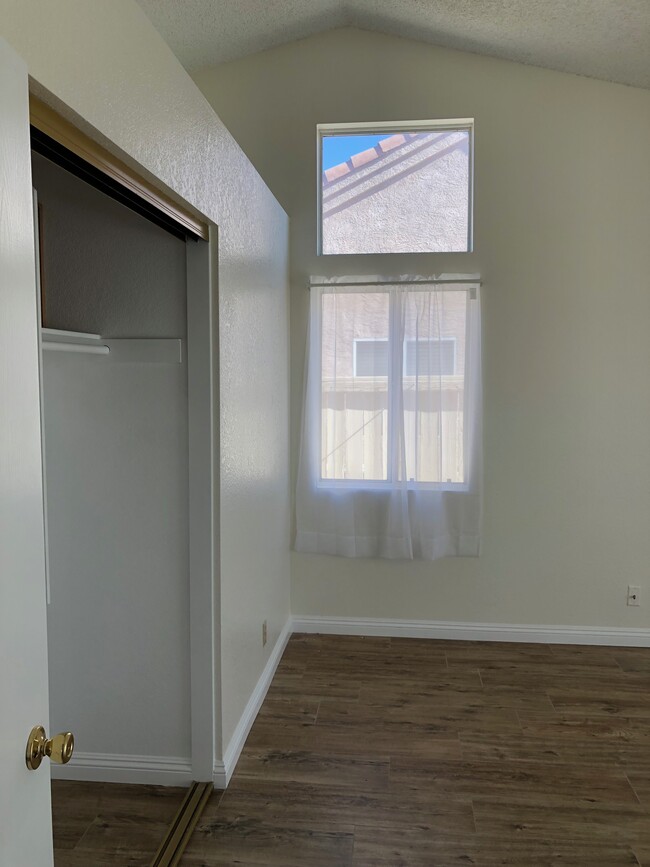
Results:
<point x="392" y="419"/>
<point x="429" y="357"/>
<point x="370" y="357"/>
<point x="395" y="187"/>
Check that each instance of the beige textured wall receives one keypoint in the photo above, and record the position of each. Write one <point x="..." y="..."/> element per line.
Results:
<point x="561" y="238"/>
<point x="106" y="63"/>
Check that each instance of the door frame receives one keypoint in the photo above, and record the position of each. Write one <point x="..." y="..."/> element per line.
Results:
<point x="204" y="502"/>
<point x="202" y="354"/>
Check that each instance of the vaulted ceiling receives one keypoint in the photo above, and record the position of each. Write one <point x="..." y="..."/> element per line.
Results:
<point x="607" y="39"/>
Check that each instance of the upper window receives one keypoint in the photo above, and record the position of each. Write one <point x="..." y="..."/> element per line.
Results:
<point x="395" y="187"/>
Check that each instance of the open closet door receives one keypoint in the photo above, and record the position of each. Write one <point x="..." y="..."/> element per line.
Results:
<point x="25" y="814"/>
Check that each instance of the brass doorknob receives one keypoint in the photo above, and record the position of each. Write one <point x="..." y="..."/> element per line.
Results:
<point x="59" y="748"/>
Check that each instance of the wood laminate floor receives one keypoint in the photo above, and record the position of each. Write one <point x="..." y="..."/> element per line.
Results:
<point x="108" y="824"/>
<point x="379" y="752"/>
<point x="373" y="752"/>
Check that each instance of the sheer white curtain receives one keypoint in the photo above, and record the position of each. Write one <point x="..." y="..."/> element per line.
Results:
<point x="390" y="462"/>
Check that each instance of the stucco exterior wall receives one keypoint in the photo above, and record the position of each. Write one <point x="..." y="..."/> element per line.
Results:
<point x="412" y="199"/>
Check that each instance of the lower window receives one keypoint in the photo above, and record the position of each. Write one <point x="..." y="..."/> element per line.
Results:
<point x="394" y="384"/>
<point x="390" y="457"/>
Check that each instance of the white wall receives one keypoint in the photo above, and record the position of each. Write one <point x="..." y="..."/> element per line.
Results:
<point x="117" y="478"/>
<point x="104" y="63"/>
<point x="561" y="238"/>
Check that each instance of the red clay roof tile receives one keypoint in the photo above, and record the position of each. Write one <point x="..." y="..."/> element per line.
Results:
<point x="363" y="158"/>
<point x="337" y="172"/>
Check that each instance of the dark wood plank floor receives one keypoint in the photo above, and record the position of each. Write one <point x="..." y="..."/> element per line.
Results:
<point x="108" y="824"/>
<point x="379" y="752"/>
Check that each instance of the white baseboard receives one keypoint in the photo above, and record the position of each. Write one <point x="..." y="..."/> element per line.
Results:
<point x="440" y="629"/>
<point x="223" y="770"/>
<point x="171" y="771"/>
<point x="115" y="768"/>
<point x="458" y="631"/>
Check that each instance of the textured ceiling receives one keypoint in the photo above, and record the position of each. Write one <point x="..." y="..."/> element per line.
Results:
<point x="608" y="39"/>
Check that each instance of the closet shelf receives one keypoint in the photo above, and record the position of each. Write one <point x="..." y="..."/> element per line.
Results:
<point x="144" y="350"/>
<point x="100" y="349"/>
<point x="54" y="339"/>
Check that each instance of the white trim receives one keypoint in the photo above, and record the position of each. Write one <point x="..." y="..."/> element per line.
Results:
<point x="39" y="313"/>
<point x="168" y="771"/>
<point x="378" y="282"/>
<point x="223" y="769"/>
<point x="461" y="631"/>
<point x="203" y="464"/>
<point x="382" y="126"/>
<point x="116" y="768"/>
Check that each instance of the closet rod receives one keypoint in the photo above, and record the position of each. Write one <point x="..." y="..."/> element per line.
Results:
<point x="77" y="347"/>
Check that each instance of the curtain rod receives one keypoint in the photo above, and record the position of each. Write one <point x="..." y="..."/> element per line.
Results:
<point x="396" y="282"/>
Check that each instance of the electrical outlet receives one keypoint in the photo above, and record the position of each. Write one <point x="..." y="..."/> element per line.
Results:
<point x="633" y="594"/>
<point x="264" y="636"/>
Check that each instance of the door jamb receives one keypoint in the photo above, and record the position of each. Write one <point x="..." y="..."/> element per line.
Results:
<point x="203" y="419"/>
<point x="203" y="499"/>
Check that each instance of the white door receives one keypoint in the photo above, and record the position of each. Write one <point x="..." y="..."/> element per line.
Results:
<point x="25" y="813"/>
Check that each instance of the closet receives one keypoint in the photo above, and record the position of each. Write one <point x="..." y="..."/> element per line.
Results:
<point x="115" y="433"/>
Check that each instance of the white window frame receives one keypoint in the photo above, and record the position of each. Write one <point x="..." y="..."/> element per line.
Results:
<point x="314" y="399"/>
<point x="465" y="124"/>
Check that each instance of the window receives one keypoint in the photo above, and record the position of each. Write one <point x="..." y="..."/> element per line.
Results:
<point x="370" y="357"/>
<point x="395" y="187"/>
<point x="391" y="454"/>
<point x="393" y="384"/>
<point x="435" y="357"/>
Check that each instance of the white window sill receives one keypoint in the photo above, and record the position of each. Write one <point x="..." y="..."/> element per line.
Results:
<point x="389" y="487"/>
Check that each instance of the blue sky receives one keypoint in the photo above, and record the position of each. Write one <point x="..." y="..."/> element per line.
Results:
<point x="339" y="148"/>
